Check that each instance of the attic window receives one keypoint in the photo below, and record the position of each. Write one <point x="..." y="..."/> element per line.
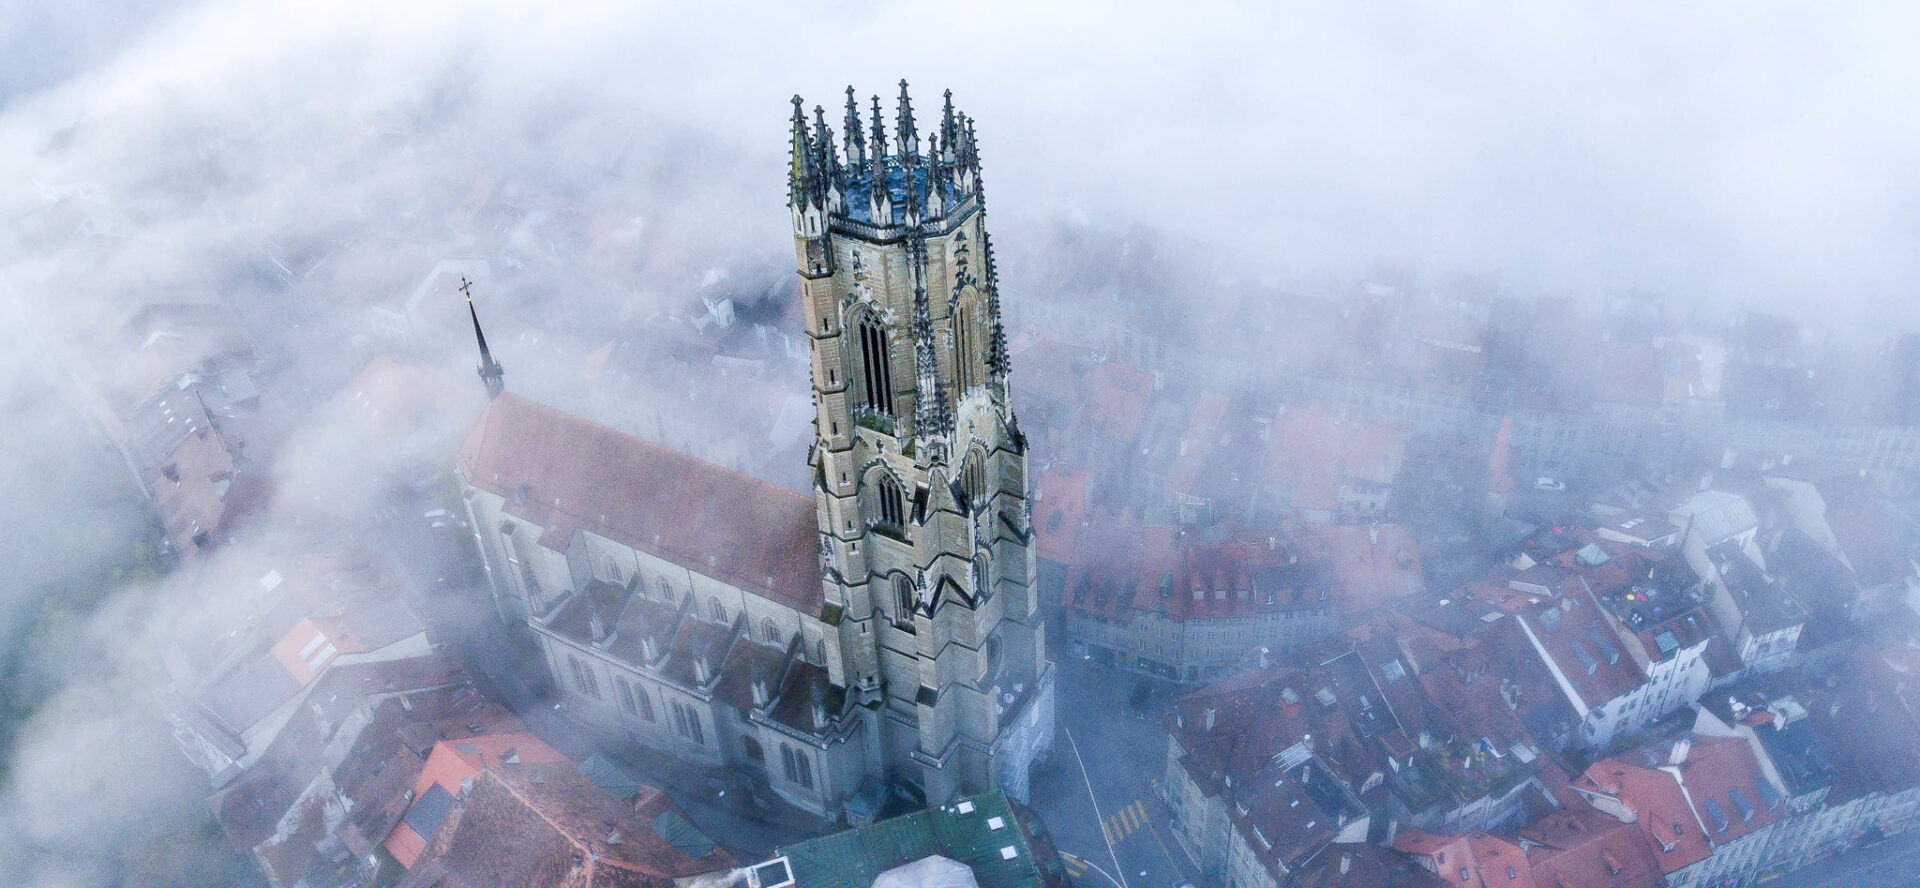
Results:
<point x="1511" y="874"/>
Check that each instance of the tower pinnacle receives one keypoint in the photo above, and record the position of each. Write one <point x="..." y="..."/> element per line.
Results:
<point x="491" y="373"/>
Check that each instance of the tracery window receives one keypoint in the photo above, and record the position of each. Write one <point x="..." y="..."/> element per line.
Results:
<point x="875" y="370"/>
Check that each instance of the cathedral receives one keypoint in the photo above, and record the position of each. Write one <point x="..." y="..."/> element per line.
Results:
<point x="882" y="637"/>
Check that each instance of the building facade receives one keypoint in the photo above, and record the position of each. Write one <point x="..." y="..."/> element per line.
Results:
<point x="882" y="634"/>
<point x="920" y="469"/>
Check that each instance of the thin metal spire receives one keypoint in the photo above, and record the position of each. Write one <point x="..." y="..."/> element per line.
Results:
<point x="491" y="373"/>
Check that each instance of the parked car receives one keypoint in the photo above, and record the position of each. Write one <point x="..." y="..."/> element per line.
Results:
<point x="1545" y="483"/>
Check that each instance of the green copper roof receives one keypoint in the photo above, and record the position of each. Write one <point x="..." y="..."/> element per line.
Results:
<point x="963" y="831"/>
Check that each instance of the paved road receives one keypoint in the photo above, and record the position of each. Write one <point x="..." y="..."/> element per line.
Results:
<point x="1894" y="863"/>
<point x="1096" y="792"/>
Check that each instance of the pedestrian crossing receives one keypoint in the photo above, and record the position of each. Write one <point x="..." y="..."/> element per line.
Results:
<point x="1075" y="866"/>
<point x="1126" y="823"/>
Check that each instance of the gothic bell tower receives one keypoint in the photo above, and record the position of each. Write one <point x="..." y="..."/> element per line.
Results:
<point x="920" y="469"/>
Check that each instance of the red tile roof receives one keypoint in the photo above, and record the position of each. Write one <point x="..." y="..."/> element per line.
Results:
<point x="1710" y="797"/>
<point x="1372" y="565"/>
<point x="1569" y="625"/>
<point x="1117" y="400"/>
<point x="1203" y="431"/>
<point x="1578" y="847"/>
<point x="564" y="473"/>
<point x="1477" y="860"/>
<point x="1059" y="512"/>
<point x="452" y="764"/>
<point x="1312" y="452"/>
<point x="547" y="826"/>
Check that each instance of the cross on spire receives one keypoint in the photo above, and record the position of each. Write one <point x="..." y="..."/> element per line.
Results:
<point x="491" y="373"/>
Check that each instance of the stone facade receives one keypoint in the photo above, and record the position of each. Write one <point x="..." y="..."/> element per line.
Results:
<point x="920" y="469"/>
<point x="882" y="634"/>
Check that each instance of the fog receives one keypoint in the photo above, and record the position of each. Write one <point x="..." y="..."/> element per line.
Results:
<point x="301" y="162"/>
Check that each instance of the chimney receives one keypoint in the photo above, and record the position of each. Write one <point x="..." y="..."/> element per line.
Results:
<point x="1209" y="718"/>
<point x="1264" y="652"/>
<point x="1678" y="756"/>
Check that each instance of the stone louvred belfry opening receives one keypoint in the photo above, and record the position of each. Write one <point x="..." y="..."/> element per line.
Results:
<point x="920" y="469"/>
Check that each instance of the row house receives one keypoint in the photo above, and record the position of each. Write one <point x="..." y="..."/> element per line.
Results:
<point x="1725" y="541"/>
<point x="1617" y="624"/>
<point x="1257" y="789"/>
<point x="1191" y="603"/>
<point x="1571" y="845"/>
<point x="1704" y="803"/>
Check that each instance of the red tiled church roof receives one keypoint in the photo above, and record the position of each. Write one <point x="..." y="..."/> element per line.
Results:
<point x="565" y="473"/>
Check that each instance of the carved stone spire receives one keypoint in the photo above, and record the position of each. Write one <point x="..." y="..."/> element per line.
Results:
<point x="997" y="360"/>
<point x="856" y="140"/>
<point x="880" y="202"/>
<point x="931" y="416"/>
<point x="949" y="129"/>
<point x="800" y="175"/>
<point x="909" y="138"/>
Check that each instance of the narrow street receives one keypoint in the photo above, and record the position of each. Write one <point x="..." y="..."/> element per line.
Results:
<point x="1097" y="793"/>
<point x="1888" y="864"/>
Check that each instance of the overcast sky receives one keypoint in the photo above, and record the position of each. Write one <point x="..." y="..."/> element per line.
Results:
<point x="1744" y="152"/>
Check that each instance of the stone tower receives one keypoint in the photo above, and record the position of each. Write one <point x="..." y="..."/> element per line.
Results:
<point x="919" y="467"/>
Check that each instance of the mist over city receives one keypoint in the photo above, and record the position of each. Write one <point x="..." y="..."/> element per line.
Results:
<point x="502" y="444"/>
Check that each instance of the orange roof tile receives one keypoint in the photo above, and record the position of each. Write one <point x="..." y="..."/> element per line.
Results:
<point x="564" y="473"/>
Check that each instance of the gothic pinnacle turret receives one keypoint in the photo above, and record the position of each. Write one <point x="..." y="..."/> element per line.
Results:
<point x="492" y="375"/>
<point x="919" y="468"/>
<point x="903" y="128"/>
<point x="998" y="361"/>
<point x="856" y="141"/>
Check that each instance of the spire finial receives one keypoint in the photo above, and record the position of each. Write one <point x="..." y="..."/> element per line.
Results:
<point x="949" y="130"/>
<point x="800" y="176"/>
<point x="856" y="140"/>
<point x="904" y="129"/>
<point x="491" y="373"/>
<point x="828" y="156"/>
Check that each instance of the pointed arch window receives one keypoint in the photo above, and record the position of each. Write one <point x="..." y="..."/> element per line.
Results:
<point x="904" y="599"/>
<point x="973" y="481"/>
<point x="966" y="346"/>
<point x="889" y="502"/>
<point x="875" y="371"/>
